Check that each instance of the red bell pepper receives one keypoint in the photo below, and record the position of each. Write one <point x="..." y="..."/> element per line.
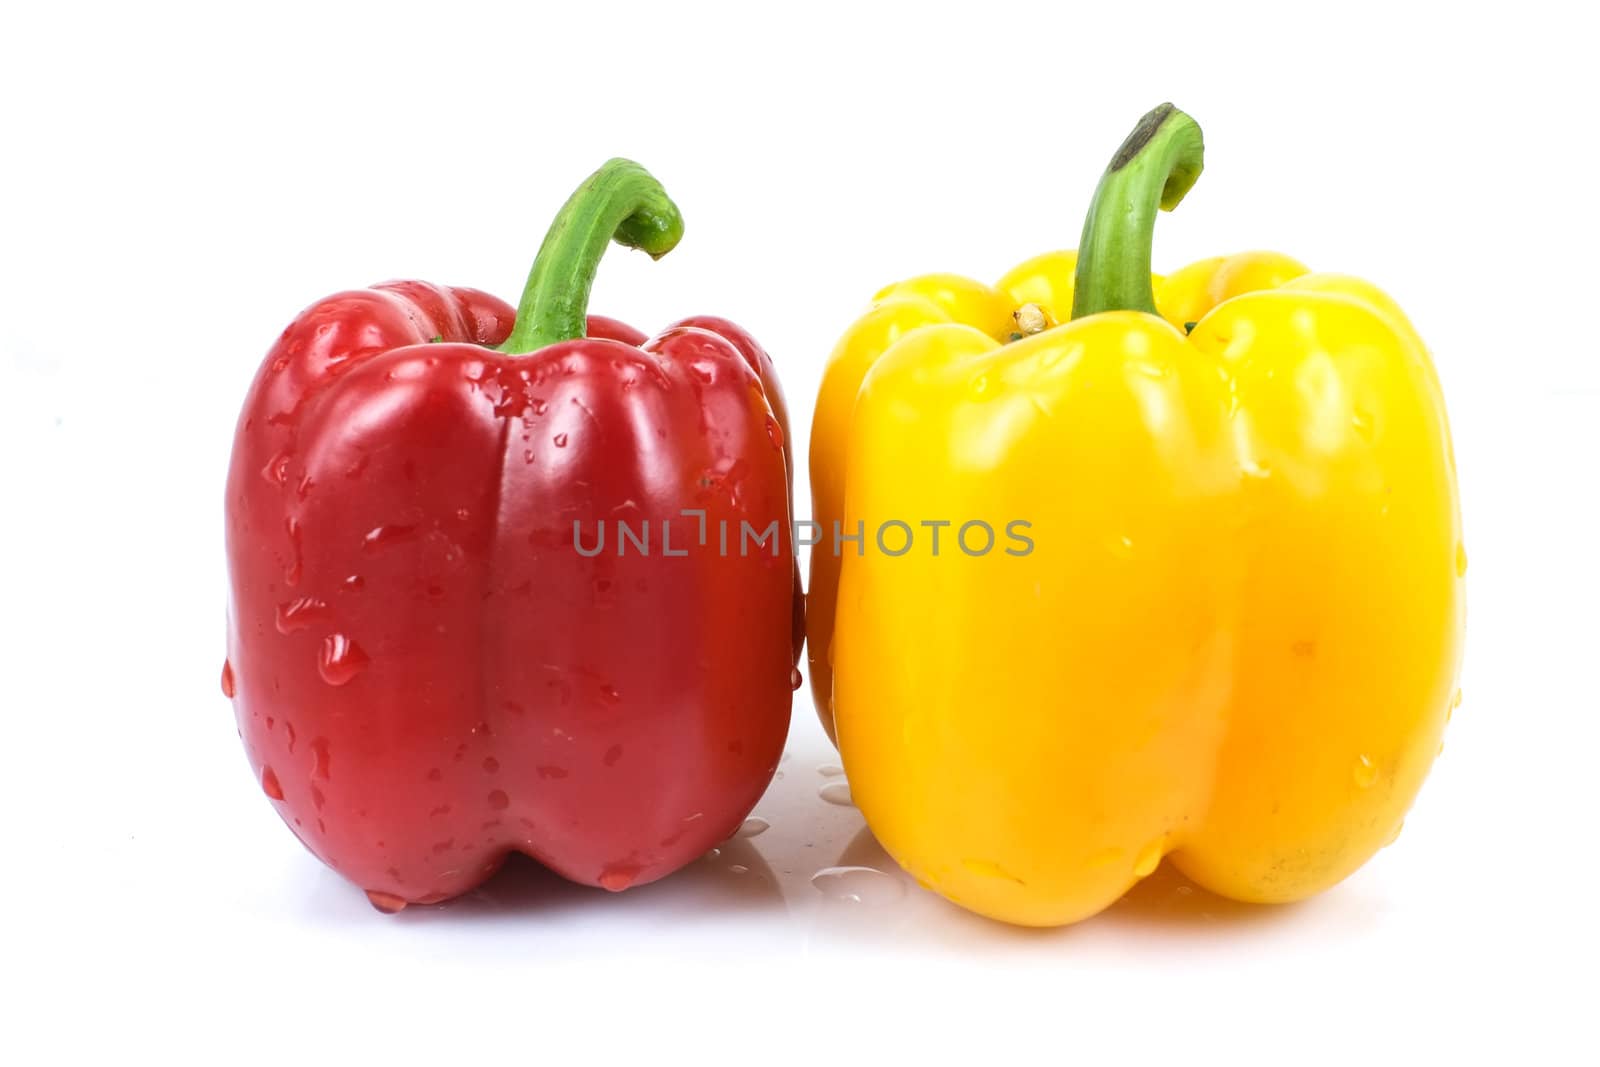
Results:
<point x="430" y="666"/>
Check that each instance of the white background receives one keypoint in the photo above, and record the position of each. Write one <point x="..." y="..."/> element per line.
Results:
<point x="175" y="183"/>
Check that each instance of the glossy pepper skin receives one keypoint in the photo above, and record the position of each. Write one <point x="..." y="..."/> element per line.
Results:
<point x="1236" y="639"/>
<point x="427" y="673"/>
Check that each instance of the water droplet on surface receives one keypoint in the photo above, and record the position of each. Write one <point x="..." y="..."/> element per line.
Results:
<point x="858" y="885"/>
<point x="291" y="573"/>
<point x="269" y="784"/>
<point x="1365" y="772"/>
<point x="321" y="761"/>
<point x="354" y="584"/>
<point x="1149" y="858"/>
<point x="560" y="440"/>
<point x="1361" y="421"/>
<point x="227" y="679"/>
<point x="610" y="694"/>
<point x="1455" y="702"/>
<point x="836" y="793"/>
<point x="341" y="659"/>
<point x="613" y="754"/>
<point x="1121" y="546"/>
<point x="1395" y="836"/>
<point x="276" y="472"/>
<point x="616" y="879"/>
<point x="980" y="385"/>
<point x="498" y="800"/>
<point x="754" y="826"/>
<point x="738" y="868"/>
<point x="830" y="770"/>
<point x="1461" y="560"/>
<point x="491" y="764"/>
<point x="774" y="432"/>
<point x="795" y="680"/>
<point x="299" y="613"/>
<point x="381" y="537"/>
<point x="387" y="903"/>
<point x="1256" y="469"/>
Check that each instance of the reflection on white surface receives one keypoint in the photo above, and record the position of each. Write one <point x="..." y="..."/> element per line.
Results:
<point x="804" y="867"/>
<point x="860" y="885"/>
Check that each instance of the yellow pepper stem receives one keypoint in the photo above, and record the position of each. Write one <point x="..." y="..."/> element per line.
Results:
<point x="1154" y="168"/>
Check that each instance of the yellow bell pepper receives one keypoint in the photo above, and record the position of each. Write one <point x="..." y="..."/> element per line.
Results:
<point x="1221" y="614"/>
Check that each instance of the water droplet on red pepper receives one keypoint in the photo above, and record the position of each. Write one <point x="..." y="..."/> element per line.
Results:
<point x="321" y="761"/>
<point x="618" y="877"/>
<point x="498" y="800"/>
<point x="380" y="537"/>
<point x="613" y="754"/>
<point x="269" y="784"/>
<point x="276" y="472"/>
<point x="491" y="764"/>
<point x="387" y="903"/>
<point x="341" y="659"/>
<point x="354" y="584"/>
<point x="227" y="679"/>
<point x="774" y="432"/>
<point x="560" y="440"/>
<point x="291" y="573"/>
<point x="795" y="680"/>
<point x="299" y="613"/>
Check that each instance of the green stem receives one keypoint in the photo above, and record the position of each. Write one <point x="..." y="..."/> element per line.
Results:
<point x="619" y="202"/>
<point x="1154" y="168"/>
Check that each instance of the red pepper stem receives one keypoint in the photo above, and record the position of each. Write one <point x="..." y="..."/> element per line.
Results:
<point x="1154" y="168"/>
<point x="619" y="202"/>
